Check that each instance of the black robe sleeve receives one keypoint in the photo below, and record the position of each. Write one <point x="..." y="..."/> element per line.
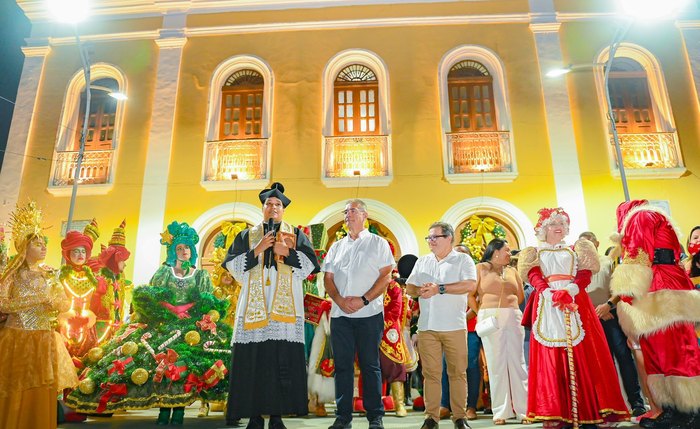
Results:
<point x="240" y="246"/>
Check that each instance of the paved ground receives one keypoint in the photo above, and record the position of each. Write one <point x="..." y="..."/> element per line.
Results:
<point x="147" y="419"/>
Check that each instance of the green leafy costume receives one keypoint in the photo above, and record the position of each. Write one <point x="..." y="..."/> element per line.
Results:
<point x="175" y="351"/>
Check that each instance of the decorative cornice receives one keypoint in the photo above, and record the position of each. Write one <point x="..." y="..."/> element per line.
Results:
<point x="358" y="23"/>
<point x="171" y="42"/>
<point x="108" y="37"/>
<point x="690" y="24"/>
<point x="545" y="27"/>
<point x="35" y="51"/>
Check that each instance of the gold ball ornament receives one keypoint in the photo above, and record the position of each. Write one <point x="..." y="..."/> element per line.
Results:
<point x="95" y="354"/>
<point x="139" y="376"/>
<point x="214" y="315"/>
<point x="87" y="386"/>
<point x="130" y="348"/>
<point x="192" y="338"/>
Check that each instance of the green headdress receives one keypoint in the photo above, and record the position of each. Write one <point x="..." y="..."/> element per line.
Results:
<point x="179" y="233"/>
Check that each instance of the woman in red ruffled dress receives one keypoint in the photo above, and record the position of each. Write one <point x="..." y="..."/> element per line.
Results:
<point x="572" y="379"/>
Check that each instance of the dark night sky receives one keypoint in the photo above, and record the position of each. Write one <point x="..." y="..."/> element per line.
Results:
<point x="14" y="27"/>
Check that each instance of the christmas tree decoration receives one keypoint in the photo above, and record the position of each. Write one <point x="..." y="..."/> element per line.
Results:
<point x="95" y="354"/>
<point x="139" y="376"/>
<point x="192" y="338"/>
<point x="87" y="386"/>
<point x="214" y="315"/>
<point x="130" y="348"/>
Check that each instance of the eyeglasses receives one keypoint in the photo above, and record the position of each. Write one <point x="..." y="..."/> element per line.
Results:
<point x="435" y="237"/>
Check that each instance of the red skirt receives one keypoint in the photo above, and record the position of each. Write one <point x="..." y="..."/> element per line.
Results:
<point x="597" y="389"/>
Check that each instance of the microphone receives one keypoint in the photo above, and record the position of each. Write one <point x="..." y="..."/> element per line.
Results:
<point x="270" y="227"/>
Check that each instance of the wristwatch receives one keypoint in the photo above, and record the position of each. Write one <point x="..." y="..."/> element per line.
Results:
<point x="610" y="304"/>
<point x="364" y="300"/>
<point x="441" y="289"/>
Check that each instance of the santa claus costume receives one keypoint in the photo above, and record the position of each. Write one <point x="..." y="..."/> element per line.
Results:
<point x="661" y="313"/>
<point x="570" y="367"/>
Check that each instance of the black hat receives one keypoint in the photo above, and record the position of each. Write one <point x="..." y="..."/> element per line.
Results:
<point x="406" y="264"/>
<point x="276" y="190"/>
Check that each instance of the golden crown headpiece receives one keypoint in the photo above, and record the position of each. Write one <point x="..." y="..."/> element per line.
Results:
<point x="25" y="221"/>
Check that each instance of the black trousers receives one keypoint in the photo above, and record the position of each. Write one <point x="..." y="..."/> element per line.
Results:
<point x="361" y="335"/>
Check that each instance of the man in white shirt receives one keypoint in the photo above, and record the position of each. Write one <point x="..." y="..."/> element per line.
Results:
<point x="441" y="281"/>
<point x="357" y="270"/>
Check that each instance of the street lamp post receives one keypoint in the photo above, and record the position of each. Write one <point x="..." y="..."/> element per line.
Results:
<point x="619" y="35"/>
<point x="83" y="133"/>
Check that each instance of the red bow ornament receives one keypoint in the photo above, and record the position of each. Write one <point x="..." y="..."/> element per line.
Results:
<point x="164" y="359"/>
<point x="109" y="393"/>
<point x="193" y="382"/>
<point x="119" y="366"/>
<point x="206" y="324"/>
<point x="181" y="311"/>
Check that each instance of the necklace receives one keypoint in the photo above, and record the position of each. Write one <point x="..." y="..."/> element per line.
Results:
<point x="502" y="274"/>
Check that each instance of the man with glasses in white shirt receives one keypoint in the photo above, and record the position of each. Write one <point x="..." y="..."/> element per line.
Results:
<point x="357" y="270"/>
<point x="441" y="281"/>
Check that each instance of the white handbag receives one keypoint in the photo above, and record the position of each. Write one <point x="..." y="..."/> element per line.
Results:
<point x="487" y="326"/>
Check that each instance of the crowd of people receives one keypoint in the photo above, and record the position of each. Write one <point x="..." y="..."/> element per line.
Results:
<point x="255" y="339"/>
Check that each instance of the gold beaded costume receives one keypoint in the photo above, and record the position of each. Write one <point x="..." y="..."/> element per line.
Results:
<point x="34" y="362"/>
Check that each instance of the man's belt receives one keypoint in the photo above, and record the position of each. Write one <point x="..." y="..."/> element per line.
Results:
<point x="664" y="256"/>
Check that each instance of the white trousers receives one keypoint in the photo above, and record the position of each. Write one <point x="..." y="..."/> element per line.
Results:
<point x="506" y="363"/>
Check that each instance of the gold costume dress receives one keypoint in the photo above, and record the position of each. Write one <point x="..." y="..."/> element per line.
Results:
<point x="34" y="362"/>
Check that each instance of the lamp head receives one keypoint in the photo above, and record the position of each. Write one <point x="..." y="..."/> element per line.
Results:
<point x="648" y="10"/>
<point x="69" y="11"/>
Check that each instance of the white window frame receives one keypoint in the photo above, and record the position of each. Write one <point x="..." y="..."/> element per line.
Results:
<point x="219" y="77"/>
<point x="661" y="105"/>
<point x="494" y="65"/>
<point x="337" y="63"/>
<point x="69" y="122"/>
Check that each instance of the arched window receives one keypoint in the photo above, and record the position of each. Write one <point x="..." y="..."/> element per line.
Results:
<point x="475" y="116"/>
<point x="103" y="112"/>
<point x="239" y="133"/>
<point x="470" y="88"/>
<point x="642" y="112"/>
<point x="356" y="126"/>
<point x="241" y="106"/>
<point x="102" y="138"/>
<point x="356" y="101"/>
<point x="629" y="94"/>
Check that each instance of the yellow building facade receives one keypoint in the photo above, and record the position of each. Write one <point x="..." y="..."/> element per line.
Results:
<point x="430" y="148"/>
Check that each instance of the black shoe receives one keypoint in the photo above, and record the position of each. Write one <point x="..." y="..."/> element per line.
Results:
<point x="276" y="424"/>
<point x="376" y="423"/>
<point x="687" y="421"/>
<point x="638" y="411"/>
<point x="461" y="424"/>
<point x="256" y="422"/>
<point x="666" y="419"/>
<point x="234" y="423"/>
<point x="340" y="424"/>
<point x="429" y="424"/>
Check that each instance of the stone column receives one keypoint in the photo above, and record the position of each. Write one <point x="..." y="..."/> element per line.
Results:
<point x="160" y="141"/>
<point x="560" y="130"/>
<point x="22" y="121"/>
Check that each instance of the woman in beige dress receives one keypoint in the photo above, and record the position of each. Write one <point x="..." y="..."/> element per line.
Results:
<point x="499" y="290"/>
